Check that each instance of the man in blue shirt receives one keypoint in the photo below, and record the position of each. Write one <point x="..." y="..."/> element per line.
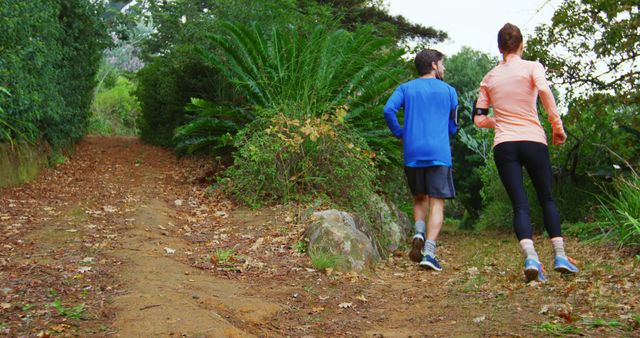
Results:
<point x="430" y="117"/>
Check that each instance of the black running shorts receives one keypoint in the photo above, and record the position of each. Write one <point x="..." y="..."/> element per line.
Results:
<point x="434" y="181"/>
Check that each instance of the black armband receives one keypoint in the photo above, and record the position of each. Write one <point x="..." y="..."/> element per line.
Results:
<point x="478" y="111"/>
<point x="453" y="116"/>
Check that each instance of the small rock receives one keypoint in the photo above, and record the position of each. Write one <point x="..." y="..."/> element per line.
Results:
<point x="479" y="319"/>
<point x="178" y="202"/>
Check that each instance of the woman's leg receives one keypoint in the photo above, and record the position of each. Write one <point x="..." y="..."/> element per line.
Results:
<point x="510" y="170"/>
<point x="535" y="157"/>
<point x="507" y="158"/>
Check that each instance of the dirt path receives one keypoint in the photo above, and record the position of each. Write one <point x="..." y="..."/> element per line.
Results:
<point x="123" y="240"/>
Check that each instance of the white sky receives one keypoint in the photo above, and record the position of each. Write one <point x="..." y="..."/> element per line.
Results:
<point x="475" y="23"/>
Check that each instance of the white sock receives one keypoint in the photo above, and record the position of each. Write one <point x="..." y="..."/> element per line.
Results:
<point x="429" y="248"/>
<point x="558" y="246"/>
<point x="528" y="249"/>
<point x="420" y="227"/>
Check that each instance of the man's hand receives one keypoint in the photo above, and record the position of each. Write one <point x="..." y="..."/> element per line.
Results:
<point x="559" y="137"/>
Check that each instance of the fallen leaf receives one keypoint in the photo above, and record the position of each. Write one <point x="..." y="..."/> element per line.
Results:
<point x="178" y="202"/>
<point x="257" y="244"/>
<point x="169" y="251"/>
<point x="59" y="328"/>
<point x="345" y="305"/>
<point x="362" y="298"/>
<point x="5" y="306"/>
<point x="317" y="309"/>
<point x="84" y="269"/>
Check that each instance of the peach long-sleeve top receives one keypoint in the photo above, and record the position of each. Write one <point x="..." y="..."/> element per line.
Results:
<point x="512" y="88"/>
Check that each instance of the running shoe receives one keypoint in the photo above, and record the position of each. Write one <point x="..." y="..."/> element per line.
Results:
<point x="430" y="262"/>
<point x="565" y="265"/>
<point x="533" y="270"/>
<point x="416" y="247"/>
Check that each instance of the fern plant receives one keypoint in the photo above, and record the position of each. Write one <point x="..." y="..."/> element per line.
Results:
<point x="305" y="74"/>
<point x="211" y="127"/>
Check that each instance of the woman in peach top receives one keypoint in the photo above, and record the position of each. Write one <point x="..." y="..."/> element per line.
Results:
<point x="512" y="88"/>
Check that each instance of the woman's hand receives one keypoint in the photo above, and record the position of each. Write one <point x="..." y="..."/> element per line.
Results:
<point x="559" y="137"/>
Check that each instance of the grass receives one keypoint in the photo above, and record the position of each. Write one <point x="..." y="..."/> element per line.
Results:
<point x="323" y="260"/>
<point x="557" y="329"/>
<point x="27" y="307"/>
<point x="74" y="312"/>
<point x="223" y="256"/>
<point x="620" y="212"/>
<point x="598" y="322"/>
<point x="301" y="247"/>
<point x="473" y="284"/>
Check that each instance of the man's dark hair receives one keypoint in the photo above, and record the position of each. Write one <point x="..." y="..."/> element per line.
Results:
<point x="425" y="58"/>
<point x="509" y="38"/>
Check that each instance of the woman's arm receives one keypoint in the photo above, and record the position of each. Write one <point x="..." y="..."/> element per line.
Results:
<point x="480" y="109"/>
<point x="549" y="104"/>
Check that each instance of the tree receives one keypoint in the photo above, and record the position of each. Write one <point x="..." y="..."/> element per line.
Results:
<point x="592" y="46"/>
<point x="465" y="70"/>
<point x="356" y="13"/>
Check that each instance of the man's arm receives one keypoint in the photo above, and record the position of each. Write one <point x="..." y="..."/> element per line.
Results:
<point x="453" y="115"/>
<point x="395" y="102"/>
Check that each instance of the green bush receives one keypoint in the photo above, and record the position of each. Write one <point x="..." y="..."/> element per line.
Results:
<point x="50" y="54"/>
<point x="498" y="213"/>
<point x="282" y="159"/>
<point x="305" y="74"/>
<point x="174" y="73"/>
<point x="620" y="212"/>
<point x="115" y="110"/>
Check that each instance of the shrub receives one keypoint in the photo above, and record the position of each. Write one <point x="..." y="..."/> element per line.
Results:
<point x="115" y="110"/>
<point x="305" y="74"/>
<point x="50" y="54"/>
<point x="282" y="159"/>
<point x="497" y="213"/>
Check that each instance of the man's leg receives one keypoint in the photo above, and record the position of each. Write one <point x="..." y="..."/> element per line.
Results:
<point x="436" y="218"/>
<point x="420" y="205"/>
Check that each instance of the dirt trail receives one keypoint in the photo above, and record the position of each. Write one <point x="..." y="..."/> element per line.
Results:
<point x="168" y="297"/>
<point x="123" y="240"/>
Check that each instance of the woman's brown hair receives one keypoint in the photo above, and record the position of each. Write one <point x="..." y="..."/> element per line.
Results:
<point x="509" y="38"/>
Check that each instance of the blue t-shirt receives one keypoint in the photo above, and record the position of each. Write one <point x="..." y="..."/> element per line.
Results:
<point x="428" y="103"/>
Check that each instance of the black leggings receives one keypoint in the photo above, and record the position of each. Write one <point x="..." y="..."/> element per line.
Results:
<point x="509" y="158"/>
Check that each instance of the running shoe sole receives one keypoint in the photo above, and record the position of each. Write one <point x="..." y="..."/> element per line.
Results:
<point x="564" y="269"/>
<point x="430" y="266"/>
<point x="416" y="250"/>
<point x="531" y="274"/>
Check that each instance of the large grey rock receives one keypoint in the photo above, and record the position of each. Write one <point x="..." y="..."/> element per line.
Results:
<point x="336" y="232"/>
<point x="392" y="224"/>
